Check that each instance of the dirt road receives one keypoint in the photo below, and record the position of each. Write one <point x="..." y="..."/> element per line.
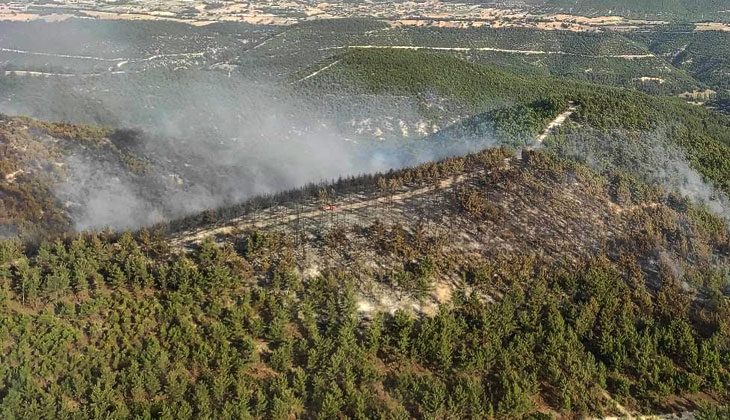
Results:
<point x="627" y="415"/>
<point x="492" y="49"/>
<point x="119" y="61"/>
<point x="557" y="122"/>
<point x="193" y="237"/>
<point x="31" y="73"/>
<point x="317" y="72"/>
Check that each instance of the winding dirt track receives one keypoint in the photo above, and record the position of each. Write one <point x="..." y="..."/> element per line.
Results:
<point x="120" y="61"/>
<point x="32" y="73"/>
<point x="192" y="237"/>
<point x="492" y="49"/>
<point x="557" y="122"/>
<point x="317" y="72"/>
<point x="626" y="414"/>
<point x="195" y="236"/>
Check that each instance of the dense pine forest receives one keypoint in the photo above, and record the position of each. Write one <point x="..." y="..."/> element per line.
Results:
<point x="484" y="274"/>
<point x="127" y="326"/>
<point x="481" y="90"/>
<point x="667" y="9"/>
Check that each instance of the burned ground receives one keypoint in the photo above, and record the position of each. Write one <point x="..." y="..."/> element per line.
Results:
<point x="488" y="286"/>
<point x="464" y="211"/>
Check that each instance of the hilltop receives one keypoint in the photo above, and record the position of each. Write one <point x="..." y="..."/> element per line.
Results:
<point x="672" y="9"/>
<point x="363" y="219"/>
<point x="448" y="289"/>
<point x="463" y="106"/>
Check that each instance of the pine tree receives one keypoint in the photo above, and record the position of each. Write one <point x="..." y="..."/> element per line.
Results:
<point x="27" y="280"/>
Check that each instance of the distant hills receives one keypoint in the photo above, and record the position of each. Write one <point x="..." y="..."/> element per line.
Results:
<point x="671" y="8"/>
<point x="583" y="276"/>
<point x="667" y="9"/>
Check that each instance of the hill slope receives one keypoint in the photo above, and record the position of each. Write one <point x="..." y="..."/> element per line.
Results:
<point x="472" y="105"/>
<point x="452" y="89"/>
<point x="511" y="283"/>
<point x="666" y="9"/>
<point x="524" y="266"/>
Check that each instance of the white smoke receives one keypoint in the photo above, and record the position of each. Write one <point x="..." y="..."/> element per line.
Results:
<point x="648" y="155"/>
<point x="226" y="142"/>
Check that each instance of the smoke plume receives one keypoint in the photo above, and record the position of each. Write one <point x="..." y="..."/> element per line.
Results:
<point x="648" y="155"/>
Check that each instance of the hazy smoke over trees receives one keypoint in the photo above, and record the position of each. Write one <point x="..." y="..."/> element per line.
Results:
<point x="209" y="140"/>
<point x="647" y="155"/>
<point x="209" y="133"/>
